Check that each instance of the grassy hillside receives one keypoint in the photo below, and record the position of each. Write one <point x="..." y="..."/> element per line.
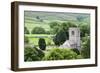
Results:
<point x="42" y="19"/>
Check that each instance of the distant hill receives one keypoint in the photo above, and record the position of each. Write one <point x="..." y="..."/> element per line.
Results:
<point x="30" y="15"/>
<point x="37" y="18"/>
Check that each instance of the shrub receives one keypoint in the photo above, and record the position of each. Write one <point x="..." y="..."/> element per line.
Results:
<point x="42" y="44"/>
<point x="60" y="54"/>
<point x="26" y="31"/>
<point x="33" y="54"/>
<point x="38" y="30"/>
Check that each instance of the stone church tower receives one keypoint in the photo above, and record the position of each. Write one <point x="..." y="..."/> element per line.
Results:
<point x="74" y="39"/>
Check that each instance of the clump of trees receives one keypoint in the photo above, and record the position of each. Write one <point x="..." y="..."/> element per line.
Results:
<point x="42" y="44"/>
<point x="61" y="31"/>
<point x="60" y="54"/>
<point x="38" y="30"/>
<point x="85" y="29"/>
<point x="54" y="27"/>
<point x="33" y="54"/>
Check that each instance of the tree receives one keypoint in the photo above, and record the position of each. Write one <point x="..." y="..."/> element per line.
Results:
<point x="38" y="30"/>
<point x="86" y="47"/>
<point x="26" y="31"/>
<point x="55" y="30"/>
<point x="66" y="25"/>
<point x="53" y="24"/>
<point x="61" y="31"/>
<point x="60" y="54"/>
<point x="33" y="54"/>
<point x="37" y="17"/>
<point x="42" y="44"/>
<point x="85" y="29"/>
<point x="60" y="38"/>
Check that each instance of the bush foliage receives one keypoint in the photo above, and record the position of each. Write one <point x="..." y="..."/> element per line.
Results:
<point x="38" y="30"/>
<point x="60" y="54"/>
<point x="33" y="54"/>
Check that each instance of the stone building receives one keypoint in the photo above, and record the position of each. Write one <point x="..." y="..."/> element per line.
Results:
<point x="74" y="39"/>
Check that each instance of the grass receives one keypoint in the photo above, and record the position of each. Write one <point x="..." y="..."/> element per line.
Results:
<point x="30" y="26"/>
<point x="36" y="35"/>
<point x="34" y="38"/>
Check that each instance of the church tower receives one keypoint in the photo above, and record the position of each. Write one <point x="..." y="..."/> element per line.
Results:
<point x="74" y="37"/>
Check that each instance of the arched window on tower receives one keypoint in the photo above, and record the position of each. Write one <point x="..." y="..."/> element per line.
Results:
<point x="73" y="33"/>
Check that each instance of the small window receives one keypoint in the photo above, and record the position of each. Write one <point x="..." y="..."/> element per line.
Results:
<point x="72" y="32"/>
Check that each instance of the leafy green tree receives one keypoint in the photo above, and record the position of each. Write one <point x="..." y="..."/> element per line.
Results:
<point x="86" y="47"/>
<point x="55" y="29"/>
<point x="37" y="17"/>
<point x="61" y="32"/>
<point x="26" y="31"/>
<point x="38" y="30"/>
<point x="85" y="29"/>
<point x="42" y="44"/>
<point x="60" y="54"/>
<point x="60" y="38"/>
<point x="53" y="24"/>
<point x="33" y="54"/>
<point x="65" y="26"/>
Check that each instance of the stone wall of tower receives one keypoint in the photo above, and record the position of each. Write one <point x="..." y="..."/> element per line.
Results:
<point x="74" y="37"/>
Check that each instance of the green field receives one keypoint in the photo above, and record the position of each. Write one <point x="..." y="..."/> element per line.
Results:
<point x="31" y="25"/>
<point x="34" y="38"/>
